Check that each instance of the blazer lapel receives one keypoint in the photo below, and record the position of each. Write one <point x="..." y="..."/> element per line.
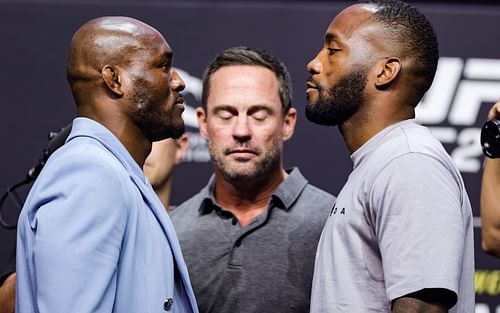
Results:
<point x="168" y="228"/>
<point x="110" y="142"/>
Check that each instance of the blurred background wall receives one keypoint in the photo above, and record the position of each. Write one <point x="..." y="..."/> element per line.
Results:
<point x="36" y="99"/>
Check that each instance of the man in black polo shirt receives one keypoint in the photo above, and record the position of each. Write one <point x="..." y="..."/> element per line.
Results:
<point x="249" y="237"/>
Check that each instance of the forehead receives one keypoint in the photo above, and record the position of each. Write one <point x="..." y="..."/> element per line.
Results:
<point x="154" y="43"/>
<point x="136" y="41"/>
<point x="351" y="21"/>
<point x="123" y="31"/>
<point x="239" y="83"/>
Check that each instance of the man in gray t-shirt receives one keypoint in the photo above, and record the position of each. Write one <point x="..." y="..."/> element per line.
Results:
<point x="401" y="223"/>
<point x="399" y="238"/>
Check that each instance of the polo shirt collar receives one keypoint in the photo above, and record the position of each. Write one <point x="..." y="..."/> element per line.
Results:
<point x="286" y="194"/>
<point x="291" y="188"/>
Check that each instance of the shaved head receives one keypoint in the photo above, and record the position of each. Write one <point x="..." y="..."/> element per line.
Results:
<point x="120" y="72"/>
<point x="103" y="41"/>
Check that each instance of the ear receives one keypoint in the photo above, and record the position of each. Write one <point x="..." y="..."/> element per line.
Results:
<point x="112" y="77"/>
<point x="289" y="122"/>
<point x="182" y="147"/>
<point x="388" y="71"/>
<point x="202" y="122"/>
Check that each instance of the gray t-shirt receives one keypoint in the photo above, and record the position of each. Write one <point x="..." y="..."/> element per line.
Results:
<point x="265" y="267"/>
<point x="401" y="223"/>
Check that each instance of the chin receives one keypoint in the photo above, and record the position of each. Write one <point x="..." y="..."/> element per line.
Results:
<point x="239" y="173"/>
<point x="174" y="131"/>
<point x="178" y="132"/>
<point x="311" y="101"/>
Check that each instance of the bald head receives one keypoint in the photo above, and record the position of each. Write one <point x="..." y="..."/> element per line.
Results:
<point x="105" y="41"/>
<point x="121" y="75"/>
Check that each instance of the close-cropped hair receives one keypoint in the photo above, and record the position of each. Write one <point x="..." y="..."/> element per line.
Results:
<point x="250" y="56"/>
<point x="415" y="36"/>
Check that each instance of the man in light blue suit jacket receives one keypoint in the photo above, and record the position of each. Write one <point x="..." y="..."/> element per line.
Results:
<point x="93" y="236"/>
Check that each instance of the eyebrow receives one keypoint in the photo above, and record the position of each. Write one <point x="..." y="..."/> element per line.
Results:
<point x="251" y="109"/>
<point x="165" y="58"/>
<point x="167" y="55"/>
<point x="329" y="37"/>
<point x="260" y="107"/>
<point x="223" y="107"/>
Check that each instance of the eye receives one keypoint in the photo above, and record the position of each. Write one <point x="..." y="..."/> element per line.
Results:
<point x="166" y="66"/>
<point x="260" y="115"/>
<point x="331" y="50"/>
<point x="224" y="114"/>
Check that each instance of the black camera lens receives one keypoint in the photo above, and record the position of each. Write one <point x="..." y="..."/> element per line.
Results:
<point x="490" y="139"/>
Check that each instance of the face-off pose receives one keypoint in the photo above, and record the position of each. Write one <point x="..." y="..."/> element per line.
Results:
<point x="93" y="236"/>
<point x="400" y="235"/>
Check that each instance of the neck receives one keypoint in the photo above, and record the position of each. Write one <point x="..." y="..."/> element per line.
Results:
<point x="125" y="130"/>
<point x="163" y="193"/>
<point x="365" y="124"/>
<point x="246" y="200"/>
<point x="134" y="141"/>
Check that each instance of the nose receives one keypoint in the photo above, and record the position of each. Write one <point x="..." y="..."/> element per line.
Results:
<point x="176" y="82"/>
<point x="241" y="129"/>
<point x="314" y="66"/>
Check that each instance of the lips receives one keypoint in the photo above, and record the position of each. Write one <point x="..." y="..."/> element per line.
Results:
<point x="240" y="151"/>
<point x="180" y="100"/>
<point x="310" y="86"/>
<point x="179" y="103"/>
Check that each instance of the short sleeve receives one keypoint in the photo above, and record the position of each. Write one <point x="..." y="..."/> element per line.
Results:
<point x="416" y="201"/>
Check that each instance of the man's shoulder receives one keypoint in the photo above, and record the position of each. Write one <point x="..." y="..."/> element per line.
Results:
<point x="188" y="208"/>
<point x="317" y="192"/>
<point x="298" y="184"/>
<point x="74" y="172"/>
<point x="186" y="216"/>
<point x="410" y="137"/>
<point x="316" y="197"/>
<point x="314" y="201"/>
<point x="86" y="156"/>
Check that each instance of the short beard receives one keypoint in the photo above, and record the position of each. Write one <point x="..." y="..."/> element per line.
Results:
<point x="150" y="117"/>
<point x="260" y="172"/>
<point x="337" y="104"/>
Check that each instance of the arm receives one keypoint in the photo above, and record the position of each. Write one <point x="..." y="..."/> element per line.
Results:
<point x="431" y="300"/>
<point x="420" y="228"/>
<point x="8" y="294"/>
<point x="80" y="224"/>
<point x="414" y="305"/>
<point x="490" y="201"/>
<point x="490" y="207"/>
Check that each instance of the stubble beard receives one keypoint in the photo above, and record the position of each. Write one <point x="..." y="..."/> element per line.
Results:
<point x="149" y="115"/>
<point x="256" y="173"/>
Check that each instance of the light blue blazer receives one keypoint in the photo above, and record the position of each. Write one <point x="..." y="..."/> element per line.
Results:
<point x="94" y="237"/>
